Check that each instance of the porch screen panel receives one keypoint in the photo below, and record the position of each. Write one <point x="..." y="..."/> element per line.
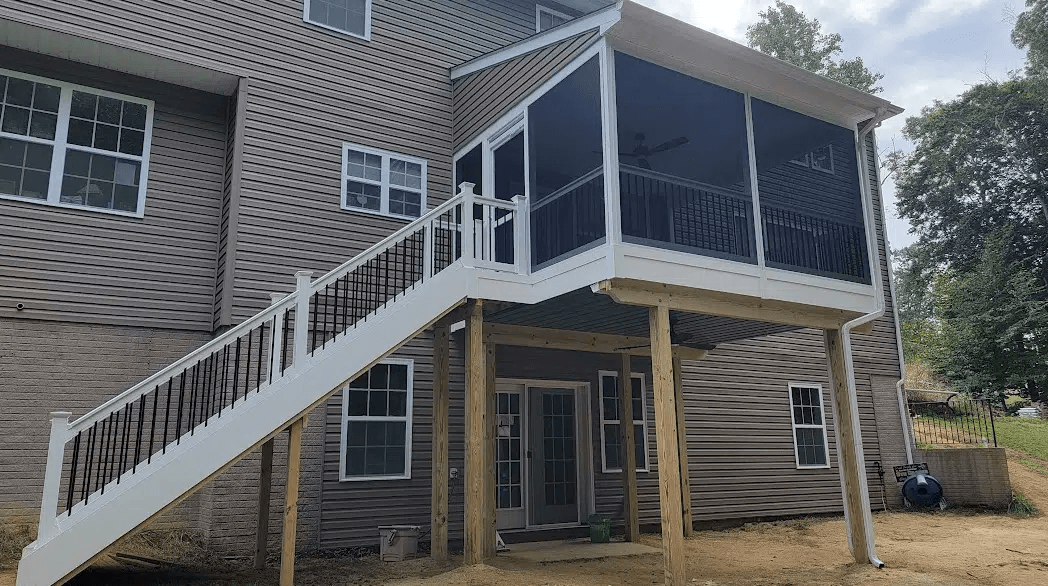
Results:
<point x="811" y="205"/>
<point x="684" y="162"/>
<point x="566" y="167"/>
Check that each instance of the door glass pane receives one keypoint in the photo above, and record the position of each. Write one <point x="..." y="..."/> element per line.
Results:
<point x="508" y="451"/>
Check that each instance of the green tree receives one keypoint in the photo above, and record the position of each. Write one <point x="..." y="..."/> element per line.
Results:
<point x="787" y="34"/>
<point x="992" y="325"/>
<point x="1031" y="33"/>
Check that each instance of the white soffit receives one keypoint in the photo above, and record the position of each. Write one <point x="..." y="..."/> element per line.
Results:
<point x="673" y="43"/>
<point x="92" y="52"/>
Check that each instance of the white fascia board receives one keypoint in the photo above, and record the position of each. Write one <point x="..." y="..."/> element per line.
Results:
<point x="679" y="45"/>
<point x="601" y="20"/>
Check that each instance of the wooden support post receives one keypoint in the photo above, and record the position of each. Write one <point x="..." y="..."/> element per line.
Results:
<point x="491" y="474"/>
<point x="857" y="515"/>
<point x="682" y="448"/>
<point x="438" y="547"/>
<point x="265" y="482"/>
<point x="479" y="471"/>
<point x="294" y="471"/>
<point x="629" y="454"/>
<point x="668" y="445"/>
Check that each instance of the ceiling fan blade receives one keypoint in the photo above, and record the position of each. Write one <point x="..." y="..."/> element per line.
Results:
<point x="670" y="144"/>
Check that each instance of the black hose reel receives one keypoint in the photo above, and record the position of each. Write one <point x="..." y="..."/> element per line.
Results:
<point x="919" y="488"/>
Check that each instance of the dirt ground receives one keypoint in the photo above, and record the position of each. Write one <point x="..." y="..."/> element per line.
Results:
<point x="941" y="548"/>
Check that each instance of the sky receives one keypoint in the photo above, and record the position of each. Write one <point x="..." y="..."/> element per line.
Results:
<point x="927" y="50"/>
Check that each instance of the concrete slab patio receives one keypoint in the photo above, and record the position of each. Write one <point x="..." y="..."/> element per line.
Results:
<point x="574" y="550"/>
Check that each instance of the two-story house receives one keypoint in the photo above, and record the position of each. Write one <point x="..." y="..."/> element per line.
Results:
<point x="449" y="244"/>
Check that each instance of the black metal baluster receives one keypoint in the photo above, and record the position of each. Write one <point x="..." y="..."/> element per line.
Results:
<point x="247" y="366"/>
<point x="138" y="437"/>
<point x="334" y="317"/>
<point x="72" y="471"/>
<point x="152" y="425"/>
<point x="283" y="341"/>
<point x="258" y="369"/>
<point x="209" y="387"/>
<point x="167" y="414"/>
<point x="191" y="423"/>
<point x="324" y="336"/>
<point x="108" y="451"/>
<point x="181" y="398"/>
<point x="85" y="491"/>
<point x="272" y="348"/>
<point x="316" y="307"/>
<point x="124" y="438"/>
<point x="236" y="374"/>
<point x="225" y="372"/>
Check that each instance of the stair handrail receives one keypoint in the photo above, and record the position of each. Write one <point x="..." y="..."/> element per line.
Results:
<point x="133" y="393"/>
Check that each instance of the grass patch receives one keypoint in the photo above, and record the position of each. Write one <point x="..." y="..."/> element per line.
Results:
<point x="14" y="536"/>
<point x="1028" y="435"/>
<point x="1033" y="465"/>
<point x="1021" y="506"/>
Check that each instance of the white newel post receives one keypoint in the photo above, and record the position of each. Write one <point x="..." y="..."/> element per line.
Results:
<point x="302" y="288"/>
<point x="427" y="250"/>
<point x="521" y="224"/>
<point x="276" y="337"/>
<point x="53" y="473"/>
<point x="468" y="224"/>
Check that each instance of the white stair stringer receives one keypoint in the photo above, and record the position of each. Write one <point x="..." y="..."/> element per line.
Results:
<point x="89" y="529"/>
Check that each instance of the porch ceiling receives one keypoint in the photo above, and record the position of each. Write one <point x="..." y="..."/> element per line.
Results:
<point x="585" y="311"/>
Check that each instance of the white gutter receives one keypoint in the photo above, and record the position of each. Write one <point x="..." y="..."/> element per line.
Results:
<point x="864" y="183"/>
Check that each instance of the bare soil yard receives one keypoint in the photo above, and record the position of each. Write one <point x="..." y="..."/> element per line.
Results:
<point x="950" y="548"/>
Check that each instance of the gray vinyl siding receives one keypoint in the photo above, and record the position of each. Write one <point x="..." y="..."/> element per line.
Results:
<point x="157" y="271"/>
<point x="480" y="99"/>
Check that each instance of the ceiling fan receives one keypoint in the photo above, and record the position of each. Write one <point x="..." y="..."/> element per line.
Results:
<point x="676" y="338"/>
<point x="641" y="152"/>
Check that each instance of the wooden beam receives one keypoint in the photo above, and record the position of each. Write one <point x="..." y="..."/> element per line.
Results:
<point x="532" y="337"/>
<point x="849" y="450"/>
<point x="294" y="472"/>
<point x="682" y="448"/>
<point x="265" y="482"/>
<point x="441" y="397"/>
<point x="717" y="303"/>
<point x="668" y="445"/>
<point x="629" y="454"/>
<point x="478" y="468"/>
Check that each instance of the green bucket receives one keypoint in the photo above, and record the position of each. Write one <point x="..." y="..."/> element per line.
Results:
<point x="600" y="529"/>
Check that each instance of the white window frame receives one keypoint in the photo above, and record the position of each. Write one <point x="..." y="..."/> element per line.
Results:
<point x="367" y="22"/>
<point x="407" y="419"/>
<point x="644" y="411"/>
<point x="540" y="10"/>
<point x="384" y="184"/>
<point x="60" y="146"/>
<point x="795" y="426"/>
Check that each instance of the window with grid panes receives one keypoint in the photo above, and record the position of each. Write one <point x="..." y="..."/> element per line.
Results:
<point x="376" y="423"/>
<point x="508" y="457"/>
<point x="610" y="420"/>
<point x="381" y="182"/>
<point x="547" y="18"/>
<point x="346" y="16"/>
<point x="809" y="426"/>
<point x="71" y="146"/>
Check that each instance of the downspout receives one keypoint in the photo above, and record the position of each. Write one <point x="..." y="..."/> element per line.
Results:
<point x="864" y="184"/>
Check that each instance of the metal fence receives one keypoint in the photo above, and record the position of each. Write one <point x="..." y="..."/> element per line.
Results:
<point x="956" y="421"/>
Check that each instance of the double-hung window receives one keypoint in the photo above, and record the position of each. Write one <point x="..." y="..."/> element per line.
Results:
<point x="376" y="423"/>
<point x="382" y="182"/>
<point x="352" y="17"/>
<point x="809" y="426"/>
<point x="70" y="146"/>
<point x="547" y="18"/>
<point x="610" y="420"/>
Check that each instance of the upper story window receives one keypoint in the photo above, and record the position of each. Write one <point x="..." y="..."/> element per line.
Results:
<point x="382" y="182"/>
<point x="376" y="423"/>
<point x="71" y="146"/>
<point x="345" y="16"/>
<point x="547" y="18"/>
<point x="820" y="159"/>
<point x="809" y="426"/>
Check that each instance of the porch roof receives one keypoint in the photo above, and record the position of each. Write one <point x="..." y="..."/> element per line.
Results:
<point x="663" y="39"/>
